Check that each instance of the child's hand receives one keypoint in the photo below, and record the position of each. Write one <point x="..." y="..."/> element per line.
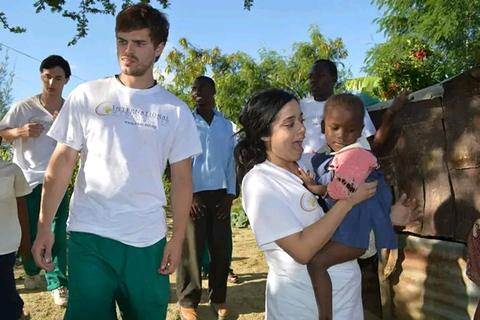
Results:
<point x="311" y="185"/>
<point x="306" y="177"/>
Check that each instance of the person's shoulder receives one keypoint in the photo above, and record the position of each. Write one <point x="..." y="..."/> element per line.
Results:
<point x="307" y="99"/>
<point x="166" y="97"/>
<point x="26" y="102"/>
<point x="85" y="88"/>
<point x="260" y="175"/>
<point x="224" y="118"/>
<point x="9" y="168"/>
<point x="95" y="84"/>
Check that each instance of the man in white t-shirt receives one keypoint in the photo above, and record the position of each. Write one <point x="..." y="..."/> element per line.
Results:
<point x="26" y="125"/>
<point x="322" y="77"/>
<point x="125" y="128"/>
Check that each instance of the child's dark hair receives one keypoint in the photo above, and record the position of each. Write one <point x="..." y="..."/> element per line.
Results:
<point x="53" y="61"/>
<point x="257" y="117"/>
<point x="346" y="101"/>
<point x="144" y="16"/>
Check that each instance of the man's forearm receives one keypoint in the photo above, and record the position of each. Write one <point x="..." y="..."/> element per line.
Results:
<point x="10" y="134"/>
<point x="57" y="177"/>
<point x="384" y="131"/>
<point x="181" y="193"/>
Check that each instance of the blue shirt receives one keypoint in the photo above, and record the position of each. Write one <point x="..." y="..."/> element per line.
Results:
<point x="214" y="168"/>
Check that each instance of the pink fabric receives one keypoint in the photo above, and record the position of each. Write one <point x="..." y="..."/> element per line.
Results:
<point x="351" y="166"/>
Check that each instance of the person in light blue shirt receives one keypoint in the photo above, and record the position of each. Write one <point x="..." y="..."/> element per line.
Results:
<point x="214" y="188"/>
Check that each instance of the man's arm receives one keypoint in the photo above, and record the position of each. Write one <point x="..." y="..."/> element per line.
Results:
<point x="377" y="141"/>
<point x="181" y="198"/>
<point x="57" y="177"/>
<point x="29" y="130"/>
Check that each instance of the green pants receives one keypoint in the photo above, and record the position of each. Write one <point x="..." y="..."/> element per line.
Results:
<point x="104" y="271"/>
<point x="56" y="278"/>
<point x="206" y="256"/>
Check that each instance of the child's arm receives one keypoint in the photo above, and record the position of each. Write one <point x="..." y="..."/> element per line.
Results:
<point x="24" y="250"/>
<point x="310" y="183"/>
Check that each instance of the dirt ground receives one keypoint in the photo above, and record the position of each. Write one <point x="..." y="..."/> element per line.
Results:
<point x="246" y="299"/>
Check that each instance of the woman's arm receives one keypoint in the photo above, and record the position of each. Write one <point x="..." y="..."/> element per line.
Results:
<point x="303" y="245"/>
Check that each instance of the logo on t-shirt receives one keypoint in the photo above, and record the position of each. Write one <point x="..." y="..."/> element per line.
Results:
<point x="308" y="202"/>
<point x="315" y="119"/>
<point x="133" y="116"/>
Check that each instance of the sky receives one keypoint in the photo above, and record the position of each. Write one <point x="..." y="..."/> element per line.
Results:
<point x="272" y="24"/>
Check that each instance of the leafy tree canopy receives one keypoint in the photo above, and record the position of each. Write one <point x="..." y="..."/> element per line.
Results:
<point x="238" y="75"/>
<point x="427" y="42"/>
<point x="85" y="8"/>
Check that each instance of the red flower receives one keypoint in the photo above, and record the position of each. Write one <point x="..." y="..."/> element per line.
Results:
<point x="421" y="54"/>
<point x="399" y="65"/>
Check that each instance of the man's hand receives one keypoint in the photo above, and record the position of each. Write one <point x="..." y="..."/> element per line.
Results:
<point x="24" y="249"/>
<point x="42" y="248"/>
<point x="405" y="211"/>
<point x="399" y="102"/>
<point x="172" y="253"/>
<point x="198" y="207"/>
<point x="31" y="130"/>
<point x="224" y="206"/>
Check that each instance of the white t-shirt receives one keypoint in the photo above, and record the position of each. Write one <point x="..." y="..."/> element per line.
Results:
<point x="278" y="205"/>
<point x="12" y="185"/>
<point x="125" y="137"/>
<point x="313" y="114"/>
<point x="31" y="154"/>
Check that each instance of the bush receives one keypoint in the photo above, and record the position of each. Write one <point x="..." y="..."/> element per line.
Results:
<point x="239" y="218"/>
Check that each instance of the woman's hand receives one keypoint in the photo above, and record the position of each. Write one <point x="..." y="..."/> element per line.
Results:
<point x="405" y="211"/>
<point x="365" y="191"/>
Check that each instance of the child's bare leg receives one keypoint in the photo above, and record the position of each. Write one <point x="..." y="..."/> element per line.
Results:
<point x="331" y="254"/>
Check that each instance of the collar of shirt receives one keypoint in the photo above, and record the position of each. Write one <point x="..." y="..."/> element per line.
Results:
<point x="198" y="117"/>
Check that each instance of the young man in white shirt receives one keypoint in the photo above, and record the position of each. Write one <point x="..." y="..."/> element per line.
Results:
<point x="26" y="125"/>
<point x="322" y="78"/>
<point x="125" y="128"/>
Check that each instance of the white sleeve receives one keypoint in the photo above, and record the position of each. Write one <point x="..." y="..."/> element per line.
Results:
<point x="67" y="128"/>
<point x="369" y="129"/>
<point x="267" y="209"/>
<point x="22" y="188"/>
<point x="11" y="119"/>
<point x="186" y="142"/>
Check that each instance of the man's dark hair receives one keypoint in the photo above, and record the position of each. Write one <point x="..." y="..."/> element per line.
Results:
<point x="53" y="61"/>
<point x="332" y="68"/>
<point x="144" y="16"/>
<point x="208" y="79"/>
